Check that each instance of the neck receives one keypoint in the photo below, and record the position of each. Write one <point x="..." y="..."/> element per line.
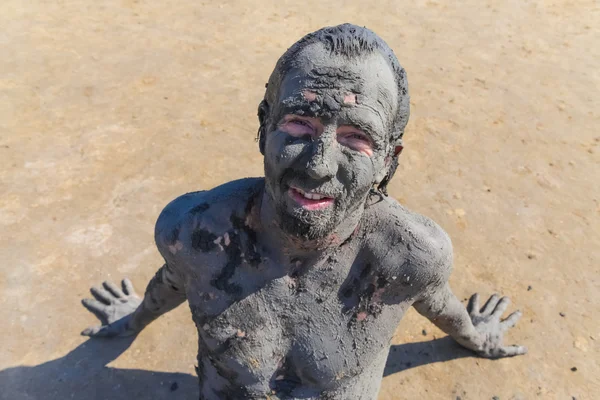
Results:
<point x="282" y="244"/>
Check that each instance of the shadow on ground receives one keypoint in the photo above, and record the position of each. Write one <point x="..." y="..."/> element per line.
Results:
<point x="411" y="355"/>
<point x="82" y="374"/>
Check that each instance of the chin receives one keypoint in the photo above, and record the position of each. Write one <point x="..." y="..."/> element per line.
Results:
<point x="309" y="225"/>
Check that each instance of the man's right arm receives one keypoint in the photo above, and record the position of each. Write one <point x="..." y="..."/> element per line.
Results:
<point x="123" y="313"/>
<point x="120" y="310"/>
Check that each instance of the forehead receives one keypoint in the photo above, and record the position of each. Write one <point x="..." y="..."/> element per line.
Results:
<point x="368" y="76"/>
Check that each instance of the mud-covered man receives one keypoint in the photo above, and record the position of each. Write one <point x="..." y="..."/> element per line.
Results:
<point x="297" y="281"/>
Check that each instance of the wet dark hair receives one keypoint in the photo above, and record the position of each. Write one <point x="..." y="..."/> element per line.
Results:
<point x="350" y="41"/>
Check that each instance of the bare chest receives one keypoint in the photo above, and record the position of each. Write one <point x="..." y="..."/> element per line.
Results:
<point x="266" y="328"/>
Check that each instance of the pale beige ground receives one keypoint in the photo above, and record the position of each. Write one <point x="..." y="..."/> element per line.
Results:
<point x="109" y="109"/>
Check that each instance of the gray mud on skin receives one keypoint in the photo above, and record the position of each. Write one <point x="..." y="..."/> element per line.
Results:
<point x="294" y="302"/>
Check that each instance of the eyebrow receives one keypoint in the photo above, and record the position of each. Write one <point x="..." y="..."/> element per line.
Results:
<point x="364" y="124"/>
<point x="302" y="108"/>
<point x="297" y="104"/>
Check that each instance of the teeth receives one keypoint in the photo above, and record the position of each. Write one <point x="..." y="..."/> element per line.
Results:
<point x="311" y="196"/>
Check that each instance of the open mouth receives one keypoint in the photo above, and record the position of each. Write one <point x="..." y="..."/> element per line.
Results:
<point x="310" y="200"/>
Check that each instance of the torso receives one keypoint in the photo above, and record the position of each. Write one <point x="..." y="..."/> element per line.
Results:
<point x="282" y="327"/>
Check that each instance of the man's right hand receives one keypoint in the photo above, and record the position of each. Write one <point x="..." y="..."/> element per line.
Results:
<point x="114" y="308"/>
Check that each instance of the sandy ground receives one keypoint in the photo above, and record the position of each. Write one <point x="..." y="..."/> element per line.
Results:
<point x="109" y="109"/>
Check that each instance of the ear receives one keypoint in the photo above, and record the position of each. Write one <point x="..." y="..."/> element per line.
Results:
<point x="398" y="149"/>
<point x="391" y="163"/>
<point x="383" y="172"/>
<point x="263" y="112"/>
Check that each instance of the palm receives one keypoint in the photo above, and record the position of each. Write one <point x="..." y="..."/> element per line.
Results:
<point x="114" y="307"/>
<point x="487" y="321"/>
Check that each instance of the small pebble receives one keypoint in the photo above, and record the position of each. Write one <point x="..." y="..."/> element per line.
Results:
<point x="529" y="288"/>
<point x="562" y="314"/>
<point x="424" y="332"/>
<point x="495" y="398"/>
<point x="174" y="386"/>
<point x="574" y="369"/>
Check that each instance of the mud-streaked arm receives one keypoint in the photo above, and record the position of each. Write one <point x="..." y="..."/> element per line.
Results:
<point x="480" y="330"/>
<point x="122" y="312"/>
<point x="164" y="292"/>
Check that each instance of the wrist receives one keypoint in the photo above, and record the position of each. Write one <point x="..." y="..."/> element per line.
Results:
<point x="474" y="341"/>
<point x="140" y="319"/>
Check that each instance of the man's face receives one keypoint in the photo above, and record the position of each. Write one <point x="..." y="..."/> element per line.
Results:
<point x="328" y="140"/>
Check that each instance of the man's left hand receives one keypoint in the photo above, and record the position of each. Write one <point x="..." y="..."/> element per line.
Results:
<point x="488" y="323"/>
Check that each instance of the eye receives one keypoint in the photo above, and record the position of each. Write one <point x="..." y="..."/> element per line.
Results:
<point x="359" y="136"/>
<point x="297" y="127"/>
<point x="355" y="140"/>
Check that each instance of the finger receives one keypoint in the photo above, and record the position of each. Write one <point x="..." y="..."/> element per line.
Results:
<point x="91" y="331"/>
<point x="128" y="287"/>
<point x="501" y="307"/>
<point x="490" y="304"/>
<point x="511" y="351"/>
<point x="511" y="320"/>
<point x="94" y="305"/>
<point x="97" y="308"/>
<point x="111" y="287"/>
<point x="101" y="295"/>
<point x="473" y="306"/>
<point x="97" y="331"/>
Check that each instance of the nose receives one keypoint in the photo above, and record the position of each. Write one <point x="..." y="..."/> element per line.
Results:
<point x="322" y="163"/>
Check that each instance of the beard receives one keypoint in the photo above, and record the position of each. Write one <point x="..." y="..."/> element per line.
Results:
<point x="311" y="225"/>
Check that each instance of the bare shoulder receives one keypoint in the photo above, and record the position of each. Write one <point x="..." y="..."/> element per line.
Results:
<point x="189" y="219"/>
<point x="409" y="238"/>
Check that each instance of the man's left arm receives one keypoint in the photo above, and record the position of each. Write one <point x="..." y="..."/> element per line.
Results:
<point x="480" y="330"/>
